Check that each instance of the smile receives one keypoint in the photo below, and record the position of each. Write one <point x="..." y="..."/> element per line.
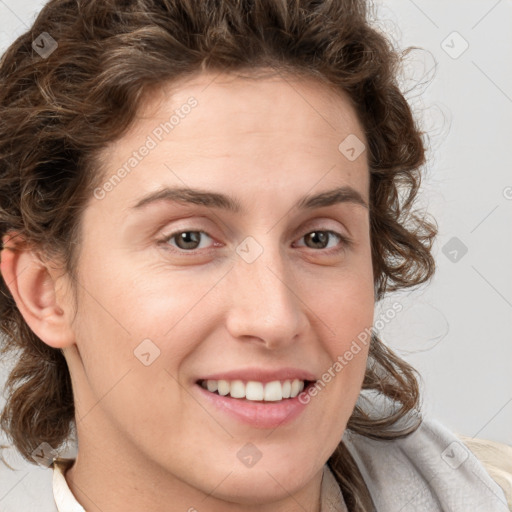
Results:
<point x="273" y="391"/>
<point x="264" y="405"/>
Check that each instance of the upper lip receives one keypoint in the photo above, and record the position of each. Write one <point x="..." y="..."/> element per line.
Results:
<point x="262" y="375"/>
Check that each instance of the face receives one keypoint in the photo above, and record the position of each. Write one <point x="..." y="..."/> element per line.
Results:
<point x="247" y="283"/>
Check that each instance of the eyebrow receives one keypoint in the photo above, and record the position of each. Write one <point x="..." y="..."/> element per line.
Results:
<point x="343" y="194"/>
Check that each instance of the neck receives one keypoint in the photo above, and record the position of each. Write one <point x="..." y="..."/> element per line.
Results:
<point x="109" y="477"/>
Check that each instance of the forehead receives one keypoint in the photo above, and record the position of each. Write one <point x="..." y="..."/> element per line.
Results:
<point x="262" y="103"/>
<point x="248" y="129"/>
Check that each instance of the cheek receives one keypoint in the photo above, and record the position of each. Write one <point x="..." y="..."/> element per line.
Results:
<point x="131" y="315"/>
<point x="347" y="307"/>
<point x="143" y="301"/>
<point x="129" y="368"/>
<point x="348" y="312"/>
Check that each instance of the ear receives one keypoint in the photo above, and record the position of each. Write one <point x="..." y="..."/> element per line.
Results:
<point x="33" y="284"/>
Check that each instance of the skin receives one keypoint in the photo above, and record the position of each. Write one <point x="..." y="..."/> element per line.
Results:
<point x="147" y="440"/>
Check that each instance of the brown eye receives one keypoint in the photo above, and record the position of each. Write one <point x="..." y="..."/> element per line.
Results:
<point x="320" y="239"/>
<point x="186" y="240"/>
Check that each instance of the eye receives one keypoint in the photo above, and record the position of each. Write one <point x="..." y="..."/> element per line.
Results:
<point x="188" y="241"/>
<point x="319" y="239"/>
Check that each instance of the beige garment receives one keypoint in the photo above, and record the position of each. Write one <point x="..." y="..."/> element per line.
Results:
<point x="497" y="460"/>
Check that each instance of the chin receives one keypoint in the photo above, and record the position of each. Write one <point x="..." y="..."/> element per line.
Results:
<point x="264" y="483"/>
<point x="257" y="489"/>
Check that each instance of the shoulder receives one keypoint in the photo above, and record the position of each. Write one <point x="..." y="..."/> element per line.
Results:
<point x="430" y="469"/>
<point x="496" y="459"/>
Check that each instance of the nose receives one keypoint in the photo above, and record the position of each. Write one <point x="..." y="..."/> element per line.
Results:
<point x="265" y="304"/>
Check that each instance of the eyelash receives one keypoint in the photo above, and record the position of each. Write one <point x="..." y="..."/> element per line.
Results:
<point x="345" y="241"/>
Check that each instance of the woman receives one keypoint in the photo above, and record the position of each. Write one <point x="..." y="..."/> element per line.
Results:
<point x="201" y="203"/>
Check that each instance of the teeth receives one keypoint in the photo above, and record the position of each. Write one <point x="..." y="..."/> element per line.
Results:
<point x="237" y="389"/>
<point x="256" y="391"/>
<point x="223" y="387"/>
<point x="212" y="385"/>
<point x="287" y="389"/>
<point x="273" y="391"/>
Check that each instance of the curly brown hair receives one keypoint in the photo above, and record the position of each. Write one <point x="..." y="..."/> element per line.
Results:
<point x="59" y="111"/>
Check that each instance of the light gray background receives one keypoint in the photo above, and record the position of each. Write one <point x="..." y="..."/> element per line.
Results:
<point x="457" y="330"/>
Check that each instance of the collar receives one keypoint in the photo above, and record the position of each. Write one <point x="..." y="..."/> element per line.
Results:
<point x="64" y="498"/>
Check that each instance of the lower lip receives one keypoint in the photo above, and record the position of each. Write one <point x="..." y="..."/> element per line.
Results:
<point x="256" y="414"/>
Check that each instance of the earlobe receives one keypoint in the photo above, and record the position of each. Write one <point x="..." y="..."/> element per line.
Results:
<point x="33" y="287"/>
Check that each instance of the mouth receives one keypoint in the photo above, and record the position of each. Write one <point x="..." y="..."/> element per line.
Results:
<point x="262" y="398"/>
<point x="256" y="391"/>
